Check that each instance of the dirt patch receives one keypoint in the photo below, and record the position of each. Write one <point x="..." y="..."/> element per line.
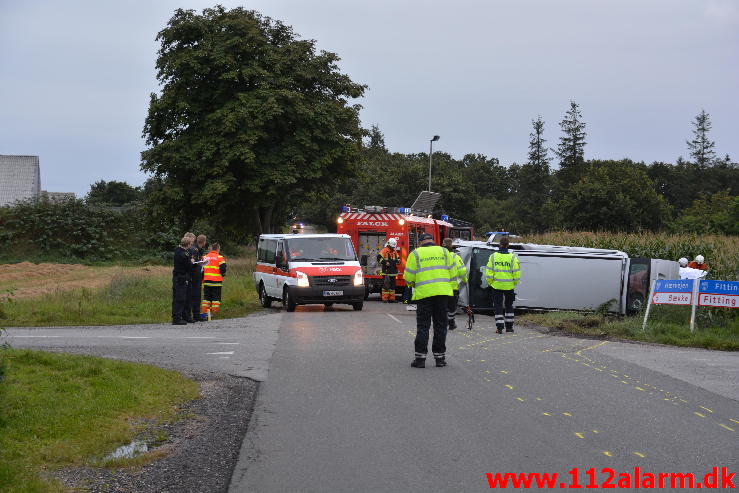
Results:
<point x="28" y="280"/>
<point x="27" y="270"/>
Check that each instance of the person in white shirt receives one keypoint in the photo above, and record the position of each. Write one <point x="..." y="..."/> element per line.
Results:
<point x="688" y="273"/>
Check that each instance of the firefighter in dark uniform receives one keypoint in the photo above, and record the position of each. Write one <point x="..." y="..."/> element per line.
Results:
<point x="389" y="258"/>
<point x="181" y="282"/>
<point x="196" y="284"/>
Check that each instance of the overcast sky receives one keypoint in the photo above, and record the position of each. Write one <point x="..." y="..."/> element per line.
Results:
<point x="75" y="76"/>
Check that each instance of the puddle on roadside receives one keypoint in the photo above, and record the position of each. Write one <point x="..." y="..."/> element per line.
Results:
<point x="133" y="449"/>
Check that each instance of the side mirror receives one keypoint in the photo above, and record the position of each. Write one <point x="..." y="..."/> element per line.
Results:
<point x="363" y="261"/>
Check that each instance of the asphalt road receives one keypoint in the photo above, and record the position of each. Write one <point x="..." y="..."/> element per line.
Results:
<point x="239" y="347"/>
<point x="340" y="409"/>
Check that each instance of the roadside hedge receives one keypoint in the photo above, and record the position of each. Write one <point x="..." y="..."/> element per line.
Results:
<point x="73" y="230"/>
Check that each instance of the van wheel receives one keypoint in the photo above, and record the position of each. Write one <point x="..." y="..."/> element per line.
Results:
<point x="358" y="306"/>
<point x="287" y="300"/>
<point x="264" y="300"/>
<point x="366" y="292"/>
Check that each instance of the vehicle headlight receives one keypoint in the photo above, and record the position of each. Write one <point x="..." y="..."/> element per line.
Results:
<point x="358" y="278"/>
<point x="302" y="279"/>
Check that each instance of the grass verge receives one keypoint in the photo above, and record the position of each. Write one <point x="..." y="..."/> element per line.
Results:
<point x="59" y="410"/>
<point x="715" y="328"/>
<point x="128" y="298"/>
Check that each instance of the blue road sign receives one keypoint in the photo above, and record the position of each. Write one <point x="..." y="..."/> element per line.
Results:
<point x="673" y="286"/>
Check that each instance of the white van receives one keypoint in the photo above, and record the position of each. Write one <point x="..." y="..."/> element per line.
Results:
<point x="308" y="269"/>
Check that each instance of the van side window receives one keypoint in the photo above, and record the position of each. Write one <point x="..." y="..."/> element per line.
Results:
<point x="266" y="251"/>
<point x="281" y="255"/>
<point x="269" y="251"/>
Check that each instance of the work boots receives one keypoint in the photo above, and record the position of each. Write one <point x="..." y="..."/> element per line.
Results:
<point x="419" y="363"/>
<point x="178" y="321"/>
<point x="452" y="324"/>
<point x="509" y="328"/>
<point x="441" y="362"/>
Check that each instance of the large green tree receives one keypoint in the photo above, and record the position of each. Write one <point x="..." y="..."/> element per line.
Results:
<point x="613" y="196"/>
<point x="249" y="121"/>
<point x="538" y="152"/>
<point x="571" y="147"/>
<point x="112" y="193"/>
<point x="700" y="146"/>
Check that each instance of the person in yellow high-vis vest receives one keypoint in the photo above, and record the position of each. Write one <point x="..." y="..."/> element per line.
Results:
<point x="459" y="276"/>
<point x="503" y="273"/>
<point x="428" y="270"/>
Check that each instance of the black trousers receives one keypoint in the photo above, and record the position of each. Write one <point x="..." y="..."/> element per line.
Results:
<point x="503" y="302"/>
<point x="195" y="291"/>
<point x="432" y="308"/>
<point x="452" y="308"/>
<point x="180" y="293"/>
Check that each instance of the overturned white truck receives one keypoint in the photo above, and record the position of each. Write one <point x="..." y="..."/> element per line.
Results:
<point x="566" y="278"/>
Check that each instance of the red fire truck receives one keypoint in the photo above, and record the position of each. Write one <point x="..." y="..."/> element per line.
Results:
<point x="371" y="227"/>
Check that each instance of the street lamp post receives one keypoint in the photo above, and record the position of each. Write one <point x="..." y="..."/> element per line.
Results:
<point x="431" y="152"/>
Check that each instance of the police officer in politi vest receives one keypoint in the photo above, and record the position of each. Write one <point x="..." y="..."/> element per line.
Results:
<point x="429" y="271"/>
<point x="503" y="273"/>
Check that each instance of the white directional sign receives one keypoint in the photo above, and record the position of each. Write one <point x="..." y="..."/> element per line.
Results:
<point x="672" y="298"/>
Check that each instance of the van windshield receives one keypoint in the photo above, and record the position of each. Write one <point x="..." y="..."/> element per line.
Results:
<point x="320" y="249"/>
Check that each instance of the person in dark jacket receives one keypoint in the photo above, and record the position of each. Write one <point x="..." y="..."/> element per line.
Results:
<point x="196" y="285"/>
<point x="181" y="281"/>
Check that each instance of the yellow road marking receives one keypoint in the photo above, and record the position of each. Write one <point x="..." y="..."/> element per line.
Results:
<point x="487" y="371"/>
<point x="639" y="388"/>
<point x="624" y="381"/>
<point x="705" y="409"/>
<point x="591" y="347"/>
<point x="639" y="454"/>
<point x="579" y="435"/>
<point x="595" y="431"/>
<point x="546" y="414"/>
<point x="519" y="398"/>
<point x="727" y="427"/>
<point x="504" y="371"/>
<point x="538" y="398"/>
<point x="567" y="414"/>
<point x="510" y="387"/>
<point x="735" y="421"/>
<point x="606" y="452"/>
<point x="699" y="414"/>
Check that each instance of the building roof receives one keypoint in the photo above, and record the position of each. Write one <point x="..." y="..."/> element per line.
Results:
<point x="20" y="178"/>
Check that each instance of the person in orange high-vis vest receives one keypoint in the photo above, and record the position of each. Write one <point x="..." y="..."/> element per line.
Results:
<point x="213" y="273"/>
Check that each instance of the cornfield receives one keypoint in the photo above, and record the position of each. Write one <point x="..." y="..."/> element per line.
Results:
<point x="721" y="252"/>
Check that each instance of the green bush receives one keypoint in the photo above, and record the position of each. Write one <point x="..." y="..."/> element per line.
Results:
<point x="74" y="230"/>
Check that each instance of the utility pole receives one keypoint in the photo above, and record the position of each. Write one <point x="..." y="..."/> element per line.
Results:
<point x="431" y="153"/>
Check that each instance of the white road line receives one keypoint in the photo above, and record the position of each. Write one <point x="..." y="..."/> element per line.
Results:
<point x="224" y="352"/>
<point x="228" y="343"/>
<point x="135" y="337"/>
<point x="200" y="337"/>
<point x="394" y="318"/>
<point x="15" y="336"/>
